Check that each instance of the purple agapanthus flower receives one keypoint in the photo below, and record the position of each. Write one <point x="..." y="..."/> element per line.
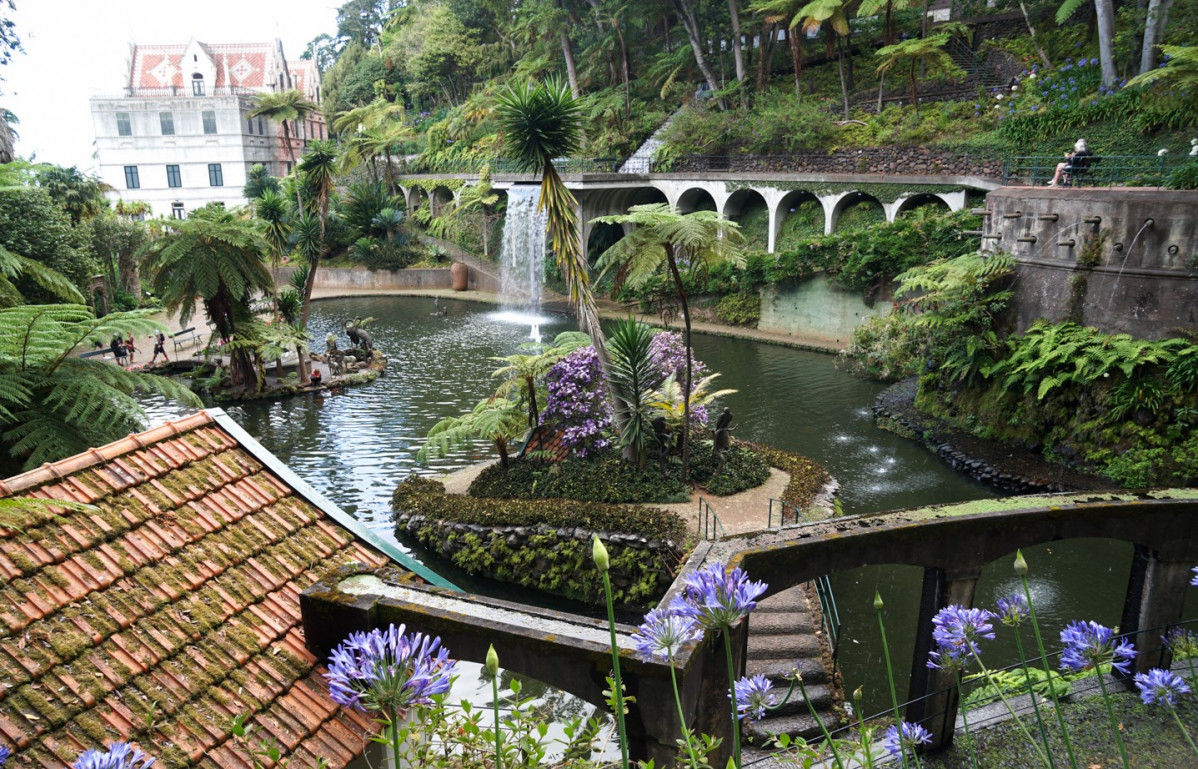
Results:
<point x="120" y="755"/>
<point x="717" y="598"/>
<point x="753" y="695"/>
<point x="664" y="632"/>
<point x="386" y="670"/>
<point x="1012" y="610"/>
<point x="1089" y="645"/>
<point x="1194" y="581"/>
<point x="906" y="736"/>
<point x="1160" y="686"/>
<point x="1183" y="643"/>
<point x="4" y="754"/>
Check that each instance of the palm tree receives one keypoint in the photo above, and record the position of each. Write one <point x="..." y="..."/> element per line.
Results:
<point x="318" y="169"/>
<point x="928" y="51"/>
<point x="54" y="404"/>
<point x="79" y="195"/>
<point x="216" y="256"/>
<point x="542" y="122"/>
<point x="258" y="182"/>
<point x="282" y="107"/>
<point x="664" y="236"/>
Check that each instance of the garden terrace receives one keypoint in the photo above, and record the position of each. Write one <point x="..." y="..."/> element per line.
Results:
<point x="171" y="604"/>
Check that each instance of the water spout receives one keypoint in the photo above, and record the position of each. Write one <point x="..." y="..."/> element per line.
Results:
<point x="535" y="334"/>
<point x="1147" y="223"/>
<point x="522" y="269"/>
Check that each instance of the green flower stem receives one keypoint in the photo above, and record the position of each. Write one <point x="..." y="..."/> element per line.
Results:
<point x="1052" y="690"/>
<point x="617" y="686"/>
<point x="686" y="734"/>
<point x="1183" y="728"/>
<point x="820" y="721"/>
<point x="973" y="759"/>
<point x="866" y="740"/>
<point x="1110" y="711"/>
<point x="394" y="729"/>
<point x="727" y="631"/>
<point x="1007" y="703"/>
<point x="898" y="721"/>
<point x="1193" y="673"/>
<point x="1031" y="690"/>
<point x="495" y="704"/>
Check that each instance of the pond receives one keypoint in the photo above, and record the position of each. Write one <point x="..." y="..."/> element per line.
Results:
<point x="356" y="445"/>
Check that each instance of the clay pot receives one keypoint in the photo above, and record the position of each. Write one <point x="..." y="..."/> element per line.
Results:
<point x="459" y="276"/>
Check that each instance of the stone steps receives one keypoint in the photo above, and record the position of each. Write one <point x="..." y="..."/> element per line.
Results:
<point x="783" y="637"/>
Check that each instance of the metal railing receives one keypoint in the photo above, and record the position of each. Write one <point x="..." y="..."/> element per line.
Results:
<point x="711" y="527"/>
<point x="1099" y="171"/>
<point x="852" y="161"/>
<point x="827" y="606"/>
<point x="185" y="91"/>
<point x="785" y="511"/>
<point x="509" y="166"/>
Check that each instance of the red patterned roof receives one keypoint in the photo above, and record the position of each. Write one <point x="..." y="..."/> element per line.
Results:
<point x="238" y="65"/>
<point x="169" y="607"/>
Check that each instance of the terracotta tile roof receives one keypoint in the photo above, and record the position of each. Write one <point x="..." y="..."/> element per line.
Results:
<point x="241" y="65"/>
<point x="547" y="439"/>
<point x="170" y="607"/>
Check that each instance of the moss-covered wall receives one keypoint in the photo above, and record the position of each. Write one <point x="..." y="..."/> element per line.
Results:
<point x="815" y="309"/>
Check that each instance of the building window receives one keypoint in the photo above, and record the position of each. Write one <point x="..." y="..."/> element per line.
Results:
<point x="197" y="84"/>
<point x="167" y="121"/>
<point x="261" y="128"/>
<point x="209" y="121"/>
<point x="177" y="211"/>
<point x="132" y="181"/>
<point x="173" y="179"/>
<point x="215" y="177"/>
<point x="123" y="126"/>
<point x="249" y="122"/>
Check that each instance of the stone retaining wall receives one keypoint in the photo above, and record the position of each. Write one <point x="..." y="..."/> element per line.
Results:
<point x="660" y="556"/>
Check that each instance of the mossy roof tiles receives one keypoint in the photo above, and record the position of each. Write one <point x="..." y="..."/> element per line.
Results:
<point x="178" y="596"/>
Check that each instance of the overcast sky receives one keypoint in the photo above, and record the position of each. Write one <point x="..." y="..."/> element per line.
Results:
<point x="75" y="49"/>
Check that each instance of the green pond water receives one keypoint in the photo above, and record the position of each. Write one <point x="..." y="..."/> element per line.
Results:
<point x="356" y="445"/>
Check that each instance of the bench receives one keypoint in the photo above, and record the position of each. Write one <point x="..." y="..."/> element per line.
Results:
<point x="1079" y="169"/>
<point x="96" y="353"/>
<point x="181" y="338"/>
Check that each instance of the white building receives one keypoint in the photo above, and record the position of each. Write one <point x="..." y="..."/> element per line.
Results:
<point x="178" y="137"/>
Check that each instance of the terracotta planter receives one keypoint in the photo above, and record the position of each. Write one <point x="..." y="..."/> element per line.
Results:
<point x="459" y="276"/>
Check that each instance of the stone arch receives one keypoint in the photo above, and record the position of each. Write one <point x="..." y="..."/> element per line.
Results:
<point x="861" y="208"/>
<point x="747" y="207"/>
<point x="908" y="203"/>
<point x="438" y="198"/>
<point x="612" y="202"/>
<point x="799" y="214"/>
<point x="696" y="199"/>
<point x="602" y="236"/>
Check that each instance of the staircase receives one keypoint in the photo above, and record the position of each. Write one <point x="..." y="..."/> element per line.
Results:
<point x="783" y="636"/>
<point x="973" y="65"/>
<point x="641" y="161"/>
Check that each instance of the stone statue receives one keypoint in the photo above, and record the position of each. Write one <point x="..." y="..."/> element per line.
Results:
<point x="357" y="333"/>
<point x="333" y="356"/>
<point x="723" y="439"/>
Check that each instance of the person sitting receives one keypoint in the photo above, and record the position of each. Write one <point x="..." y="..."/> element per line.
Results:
<point x="317" y="379"/>
<point x="1074" y="161"/>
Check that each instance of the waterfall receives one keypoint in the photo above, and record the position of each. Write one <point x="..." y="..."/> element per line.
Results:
<point x="522" y="266"/>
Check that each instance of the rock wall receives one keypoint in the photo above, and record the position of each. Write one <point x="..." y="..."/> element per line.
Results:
<point x="640" y="568"/>
<point x="911" y="161"/>
<point x="1122" y="260"/>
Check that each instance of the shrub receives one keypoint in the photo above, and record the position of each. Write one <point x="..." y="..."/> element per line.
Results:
<point x="743" y="469"/>
<point x="741" y="309"/>
<point x="602" y="477"/>
<point x="648" y="522"/>
<point x="576" y="402"/>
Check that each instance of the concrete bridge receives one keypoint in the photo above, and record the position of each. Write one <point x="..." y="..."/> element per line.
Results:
<point x="734" y="194"/>
<point x="951" y="543"/>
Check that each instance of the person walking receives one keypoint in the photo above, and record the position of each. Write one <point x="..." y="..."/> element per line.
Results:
<point x="159" y="348"/>
<point x="130" y="348"/>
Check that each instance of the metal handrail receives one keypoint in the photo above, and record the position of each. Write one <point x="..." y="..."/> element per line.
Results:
<point x="509" y="166"/>
<point x="1100" y="170"/>
<point x="709" y="523"/>
<point x="800" y="515"/>
<point x="831" y="615"/>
